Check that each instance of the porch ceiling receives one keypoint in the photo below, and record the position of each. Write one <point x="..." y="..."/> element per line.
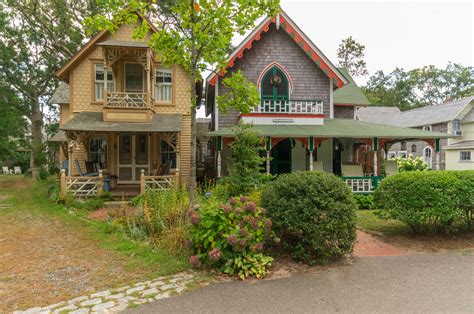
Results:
<point x="94" y="121"/>
<point x="338" y="128"/>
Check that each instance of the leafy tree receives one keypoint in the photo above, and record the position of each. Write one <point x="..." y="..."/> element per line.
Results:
<point x="36" y="37"/>
<point x="245" y="171"/>
<point x="351" y="56"/>
<point x="193" y="34"/>
<point x="420" y="87"/>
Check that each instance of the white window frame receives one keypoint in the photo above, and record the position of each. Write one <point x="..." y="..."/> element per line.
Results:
<point x="110" y="83"/>
<point x="428" y="160"/>
<point x="465" y="160"/>
<point x="427" y="128"/>
<point x="456" y="125"/>
<point x="163" y="84"/>
<point x="391" y="154"/>
<point x="402" y="153"/>
<point x="99" y="153"/>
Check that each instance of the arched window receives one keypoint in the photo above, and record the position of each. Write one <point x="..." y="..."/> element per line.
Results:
<point x="427" y="128"/>
<point x="427" y="156"/>
<point x="274" y="85"/>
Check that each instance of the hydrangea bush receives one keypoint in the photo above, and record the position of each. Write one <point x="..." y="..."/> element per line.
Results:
<point x="230" y="237"/>
<point x="411" y="164"/>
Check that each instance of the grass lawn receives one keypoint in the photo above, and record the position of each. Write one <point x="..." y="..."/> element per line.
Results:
<point x="48" y="254"/>
<point x="399" y="234"/>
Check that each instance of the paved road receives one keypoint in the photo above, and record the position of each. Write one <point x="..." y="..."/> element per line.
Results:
<point x="403" y="284"/>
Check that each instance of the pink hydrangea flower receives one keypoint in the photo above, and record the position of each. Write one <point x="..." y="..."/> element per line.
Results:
<point x="243" y="232"/>
<point x="226" y="208"/>
<point x="258" y="247"/>
<point x="194" y="261"/>
<point x="194" y="218"/>
<point x="215" y="255"/>
<point x="254" y="223"/>
<point x="251" y="207"/>
<point x="232" y="239"/>
<point x="268" y="223"/>
<point x="232" y="201"/>
<point x="243" y="199"/>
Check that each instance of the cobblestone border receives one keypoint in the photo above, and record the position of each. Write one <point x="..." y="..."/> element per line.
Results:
<point x="116" y="300"/>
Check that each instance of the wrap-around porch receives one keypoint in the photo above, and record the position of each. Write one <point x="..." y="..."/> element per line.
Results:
<point x="354" y="150"/>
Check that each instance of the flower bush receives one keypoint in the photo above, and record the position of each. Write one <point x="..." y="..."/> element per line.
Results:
<point x="313" y="213"/>
<point x="411" y="164"/>
<point x="429" y="201"/>
<point x="230" y="237"/>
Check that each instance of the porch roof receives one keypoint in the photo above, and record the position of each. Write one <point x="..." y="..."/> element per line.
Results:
<point x="123" y="43"/>
<point x="94" y="121"/>
<point x="338" y="128"/>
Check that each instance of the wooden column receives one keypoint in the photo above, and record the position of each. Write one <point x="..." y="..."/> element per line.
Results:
<point x="375" y="145"/>
<point x="148" y="78"/>
<point x="437" y="154"/>
<point x="105" y="74"/>
<point x="176" y="178"/>
<point x="69" y="154"/>
<point x="311" y="149"/>
<point x="63" y="183"/>
<point x="268" y="148"/>
<point x="100" y="183"/>
<point x="219" y="148"/>
<point x="142" y="182"/>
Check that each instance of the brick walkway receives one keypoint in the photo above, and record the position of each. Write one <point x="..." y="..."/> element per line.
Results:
<point x="367" y="245"/>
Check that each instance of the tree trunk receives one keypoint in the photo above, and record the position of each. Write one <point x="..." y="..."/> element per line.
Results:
<point x="192" y="175"/>
<point x="36" y="138"/>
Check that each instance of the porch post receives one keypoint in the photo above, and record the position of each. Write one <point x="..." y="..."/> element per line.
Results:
<point x="100" y="183"/>
<point x="219" y="148"/>
<point x="69" y="155"/>
<point x="148" y="78"/>
<point x="63" y="183"/>
<point x="142" y="182"/>
<point x="437" y="153"/>
<point x="268" y="148"/>
<point x="375" y="145"/>
<point x="105" y="74"/>
<point x="311" y="149"/>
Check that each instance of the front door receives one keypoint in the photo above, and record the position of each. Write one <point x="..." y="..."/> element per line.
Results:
<point x="281" y="157"/>
<point x="133" y="156"/>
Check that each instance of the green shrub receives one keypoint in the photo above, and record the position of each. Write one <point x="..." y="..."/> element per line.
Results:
<point x="313" y="213"/>
<point x="230" y="237"/>
<point x="364" y="201"/>
<point x="428" y="201"/>
<point x="466" y="193"/>
<point x="93" y="203"/>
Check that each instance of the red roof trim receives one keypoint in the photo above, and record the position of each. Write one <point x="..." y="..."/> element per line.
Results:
<point x="299" y="40"/>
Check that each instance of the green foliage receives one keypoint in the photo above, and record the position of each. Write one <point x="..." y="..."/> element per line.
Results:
<point x="429" y="201"/>
<point x="420" y="87"/>
<point x="313" y="213"/>
<point x="92" y="204"/>
<point x="364" y="201"/>
<point x="351" y="56"/>
<point x="245" y="173"/>
<point x="241" y="93"/>
<point x="411" y="164"/>
<point x="230" y="237"/>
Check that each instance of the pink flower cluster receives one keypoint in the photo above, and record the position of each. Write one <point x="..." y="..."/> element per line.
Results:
<point x="215" y="255"/>
<point x="194" y="216"/>
<point x="195" y="262"/>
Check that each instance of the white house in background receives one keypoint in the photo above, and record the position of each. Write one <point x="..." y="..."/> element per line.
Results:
<point x="453" y="117"/>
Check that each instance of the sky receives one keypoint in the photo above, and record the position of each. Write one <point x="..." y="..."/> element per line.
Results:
<point x="404" y="34"/>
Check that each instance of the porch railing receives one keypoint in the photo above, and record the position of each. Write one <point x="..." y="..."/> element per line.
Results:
<point x="81" y="186"/>
<point x="290" y="107"/>
<point x="158" y="183"/>
<point x="128" y="100"/>
<point x="363" y="184"/>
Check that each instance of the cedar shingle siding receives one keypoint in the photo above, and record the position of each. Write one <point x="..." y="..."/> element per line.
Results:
<point x="309" y="82"/>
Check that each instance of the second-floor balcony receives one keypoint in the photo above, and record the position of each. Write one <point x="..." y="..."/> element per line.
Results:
<point x="309" y="107"/>
<point x="128" y="100"/>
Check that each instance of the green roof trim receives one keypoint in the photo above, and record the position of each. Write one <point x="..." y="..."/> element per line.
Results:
<point x="349" y="94"/>
<point x="338" y="128"/>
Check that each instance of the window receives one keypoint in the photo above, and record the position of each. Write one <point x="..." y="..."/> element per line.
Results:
<point x="274" y="85"/>
<point x="427" y="156"/>
<point x="465" y="156"/>
<point x="168" y="155"/>
<point x="413" y="148"/>
<point x="427" y="128"/>
<point x="98" y="152"/>
<point x="134" y="78"/>
<point x="402" y="154"/>
<point x="391" y="155"/>
<point x="403" y="145"/>
<point x="456" y="126"/>
<point x="99" y="81"/>
<point x="164" y="85"/>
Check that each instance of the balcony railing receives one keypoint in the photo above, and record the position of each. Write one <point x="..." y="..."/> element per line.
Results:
<point x="290" y="107"/>
<point x="128" y="100"/>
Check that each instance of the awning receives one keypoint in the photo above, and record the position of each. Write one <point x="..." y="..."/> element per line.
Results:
<point x="338" y="128"/>
<point x="94" y="122"/>
<point x="60" y="136"/>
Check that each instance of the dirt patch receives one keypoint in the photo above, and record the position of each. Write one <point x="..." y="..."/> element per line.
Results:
<point x="43" y="261"/>
<point x="106" y="213"/>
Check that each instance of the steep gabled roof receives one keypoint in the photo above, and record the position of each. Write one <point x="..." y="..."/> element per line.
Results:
<point x="89" y="45"/>
<point x="283" y="21"/>
<point x="349" y="94"/>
